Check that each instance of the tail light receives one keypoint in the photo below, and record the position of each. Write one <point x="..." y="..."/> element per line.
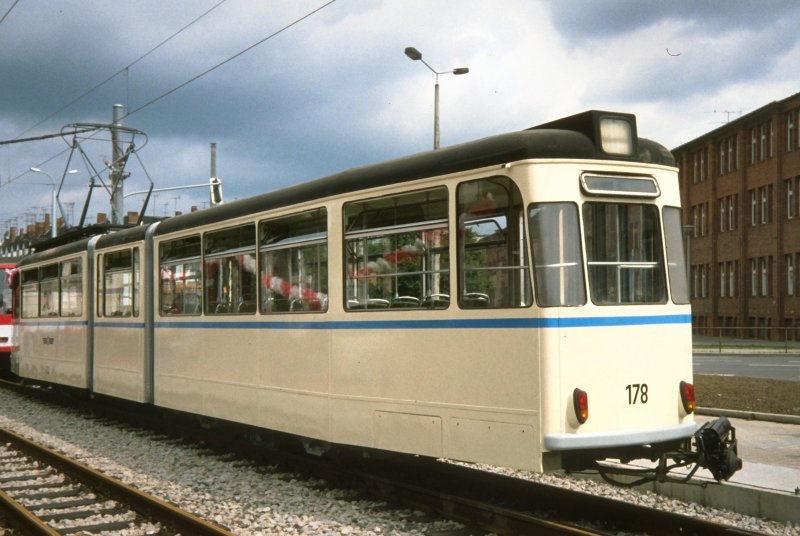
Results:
<point x="580" y="402"/>
<point x="687" y="396"/>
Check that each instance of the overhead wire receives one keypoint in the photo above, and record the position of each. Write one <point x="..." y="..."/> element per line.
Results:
<point x="173" y="90"/>
<point x="18" y="139"/>
<point x="124" y="69"/>
<point x="231" y="58"/>
<point x="8" y="11"/>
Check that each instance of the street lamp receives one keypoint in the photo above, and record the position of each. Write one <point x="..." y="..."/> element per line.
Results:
<point x="415" y="55"/>
<point x="52" y="184"/>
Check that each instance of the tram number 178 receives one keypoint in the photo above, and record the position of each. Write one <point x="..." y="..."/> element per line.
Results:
<point x="637" y="393"/>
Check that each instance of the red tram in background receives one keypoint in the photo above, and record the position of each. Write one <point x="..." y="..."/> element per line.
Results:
<point x="7" y="272"/>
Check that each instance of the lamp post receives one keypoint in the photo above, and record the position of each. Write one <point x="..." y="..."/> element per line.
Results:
<point x="415" y="55"/>
<point x="52" y="184"/>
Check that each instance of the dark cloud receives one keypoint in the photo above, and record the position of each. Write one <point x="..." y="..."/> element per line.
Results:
<point x="588" y="19"/>
<point x="336" y="91"/>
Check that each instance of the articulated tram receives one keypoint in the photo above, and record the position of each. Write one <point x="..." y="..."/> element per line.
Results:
<point x="518" y="300"/>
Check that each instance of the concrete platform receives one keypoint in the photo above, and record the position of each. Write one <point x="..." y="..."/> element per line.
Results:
<point x="768" y="485"/>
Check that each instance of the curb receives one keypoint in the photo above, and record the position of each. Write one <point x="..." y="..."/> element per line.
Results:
<point x="748" y="415"/>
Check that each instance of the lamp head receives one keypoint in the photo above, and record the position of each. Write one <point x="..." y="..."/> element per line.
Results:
<point x="413" y="53"/>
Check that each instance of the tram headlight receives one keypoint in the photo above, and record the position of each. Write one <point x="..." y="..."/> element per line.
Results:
<point x="580" y="402"/>
<point x="687" y="396"/>
<point x="616" y="136"/>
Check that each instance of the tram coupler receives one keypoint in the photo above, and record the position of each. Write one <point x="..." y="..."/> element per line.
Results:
<point x="716" y="446"/>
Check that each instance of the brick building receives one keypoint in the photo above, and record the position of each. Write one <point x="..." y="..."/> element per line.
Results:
<point x="740" y="189"/>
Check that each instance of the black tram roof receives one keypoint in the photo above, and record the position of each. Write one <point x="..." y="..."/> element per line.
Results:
<point x="572" y="138"/>
<point x="70" y="248"/>
<point x="126" y="236"/>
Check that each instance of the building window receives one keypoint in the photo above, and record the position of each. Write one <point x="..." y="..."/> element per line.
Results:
<point x="752" y="208"/>
<point x="753" y="278"/>
<point x="723" y="280"/>
<point x="771" y="140"/>
<point x="790" y="275"/>
<point x="730" y="153"/>
<point x="790" y="199"/>
<point x="722" y="157"/>
<point x="722" y="215"/>
<point x="702" y="165"/>
<point x="753" y="145"/>
<point x="763" y="147"/>
<point x="695" y="229"/>
<point x="732" y="279"/>
<point x="703" y="219"/>
<point x="764" y="277"/>
<point x="764" y="204"/>
<point x="704" y="280"/>
<point x="695" y="169"/>
<point x="731" y="213"/>
<point x="695" y="286"/>
<point x="790" y="131"/>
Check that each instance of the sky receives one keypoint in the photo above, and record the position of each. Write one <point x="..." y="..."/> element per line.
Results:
<point x="291" y="90"/>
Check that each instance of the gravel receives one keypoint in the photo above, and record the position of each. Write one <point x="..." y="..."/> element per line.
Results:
<point x="251" y="499"/>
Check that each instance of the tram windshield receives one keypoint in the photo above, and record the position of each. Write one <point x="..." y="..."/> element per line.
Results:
<point x="624" y="253"/>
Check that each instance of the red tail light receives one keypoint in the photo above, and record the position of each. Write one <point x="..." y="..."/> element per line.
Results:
<point x="687" y="396"/>
<point x="580" y="401"/>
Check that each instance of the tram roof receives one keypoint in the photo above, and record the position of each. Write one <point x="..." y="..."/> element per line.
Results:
<point x="570" y="138"/>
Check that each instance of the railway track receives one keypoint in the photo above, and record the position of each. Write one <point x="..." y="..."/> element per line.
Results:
<point x="481" y="500"/>
<point x="504" y="505"/>
<point x="45" y="493"/>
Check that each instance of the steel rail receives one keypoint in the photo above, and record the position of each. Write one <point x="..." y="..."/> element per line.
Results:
<point x="139" y="501"/>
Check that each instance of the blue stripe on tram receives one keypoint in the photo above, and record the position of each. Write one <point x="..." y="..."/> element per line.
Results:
<point x="464" y="323"/>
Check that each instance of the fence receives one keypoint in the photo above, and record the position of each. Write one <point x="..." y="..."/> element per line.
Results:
<point x="752" y="338"/>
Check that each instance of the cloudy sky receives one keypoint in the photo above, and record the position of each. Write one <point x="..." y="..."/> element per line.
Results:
<point x="328" y="86"/>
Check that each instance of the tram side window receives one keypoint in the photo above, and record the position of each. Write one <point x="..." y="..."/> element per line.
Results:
<point x="624" y="254"/>
<point x="30" y="293"/>
<point x="676" y="263"/>
<point x="181" y="288"/>
<point x="119" y="284"/>
<point x="293" y="256"/>
<point x="230" y="271"/>
<point x="556" y="245"/>
<point x="71" y="288"/>
<point x="493" y="270"/>
<point x="48" y="291"/>
<point x="396" y="249"/>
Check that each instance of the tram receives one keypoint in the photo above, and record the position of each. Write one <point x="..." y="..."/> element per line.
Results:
<point x="519" y="300"/>
<point x="7" y="272"/>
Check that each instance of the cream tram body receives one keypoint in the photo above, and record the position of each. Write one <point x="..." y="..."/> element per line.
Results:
<point x="448" y="305"/>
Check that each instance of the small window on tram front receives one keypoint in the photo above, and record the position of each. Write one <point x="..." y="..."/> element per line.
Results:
<point x="624" y="253"/>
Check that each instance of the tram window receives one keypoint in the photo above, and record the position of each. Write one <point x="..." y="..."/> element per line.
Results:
<point x="6" y="294"/>
<point x="624" y="254"/>
<point x="180" y="290"/>
<point x="676" y="264"/>
<point x="48" y="291"/>
<point x="556" y="245"/>
<point x="230" y="270"/>
<point x="118" y="284"/>
<point x="396" y="249"/>
<point x="136" y="282"/>
<point x="493" y="269"/>
<point x="293" y="257"/>
<point x="71" y="288"/>
<point x="30" y="293"/>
